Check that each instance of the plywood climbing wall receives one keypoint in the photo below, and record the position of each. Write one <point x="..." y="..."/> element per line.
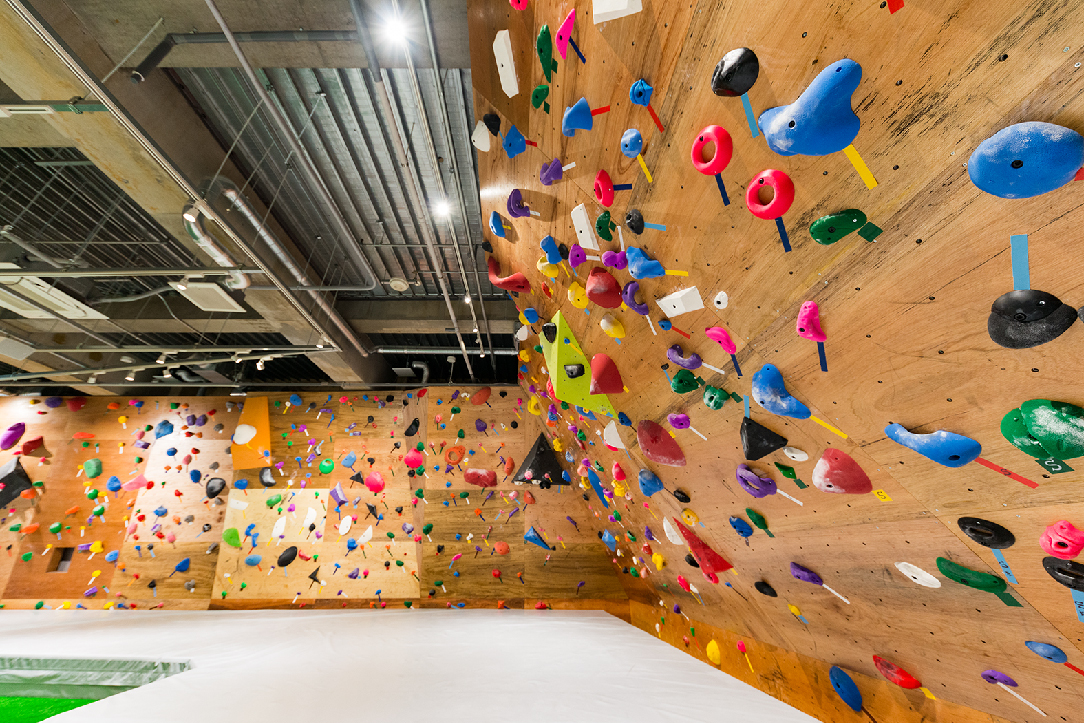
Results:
<point x="904" y="310"/>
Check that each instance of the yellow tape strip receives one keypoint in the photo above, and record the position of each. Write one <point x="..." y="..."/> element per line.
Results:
<point x="644" y="167"/>
<point x="860" y="166"/>
<point x="822" y="423"/>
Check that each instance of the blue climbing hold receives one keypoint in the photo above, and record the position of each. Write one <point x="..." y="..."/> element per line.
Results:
<point x="514" y="143"/>
<point x="553" y="254"/>
<point x="532" y="536"/>
<point x="577" y="118"/>
<point x="530" y="313"/>
<point x="349" y="460"/>
<point x="640" y="93"/>
<point x="160" y="511"/>
<point x="565" y="476"/>
<point x="113" y="485"/>
<point x="295" y="400"/>
<point x="846" y="688"/>
<point x="632" y="143"/>
<point x="585" y="413"/>
<point x="1026" y="159"/>
<point x="596" y="484"/>
<point x="241" y="484"/>
<point x="171" y="452"/>
<point x="194" y="475"/>
<point x="821" y="121"/>
<point x="112" y="556"/>
<point x="165" y="427"/>
<point x="624" y="419"/>
<point x="770" y="392"/>
<point x="641" y="266"/>
<point x="946" y="448"/>
<point x="183" y="565"/>
<point x="649" y="482"/>
<point x="740" y="526"/>
<point x="496" y="224"/>
<point x="609" y="540"/>
<point x="1050" y="652"/>
<point x="253" y="560"/>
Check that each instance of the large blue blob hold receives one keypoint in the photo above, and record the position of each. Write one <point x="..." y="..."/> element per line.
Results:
<point x="165" y="427"/>
<point x="741" y="527"/>
<point x="596" y="484"/>
<point x="649" y="483"/>
<point x="1050" y="652"/>
<point x="514" y="143"/>
<point x="846" y="688"/>
<point x="553" y="253"/>
<point x="946" y="448"/>
<point x="609" y="540"/>
<point x="496" y="224"/>
<point x="821" y="121"/>
<point x="641" y="266"/>
<point x="770" y="392"/>
<point x="1026" y="159"/>
<point x="577" y="118"/>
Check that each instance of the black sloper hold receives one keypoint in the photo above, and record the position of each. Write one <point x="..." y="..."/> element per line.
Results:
<point x="736" y="73"/>
<point x="986" y="532"/>
<point x="267" y="479"/>
<point x="634" y="222"/>
<point x="486" y="246"/>
<point x="549" y="329"/>
<point x="682" y="496"/>
<point x="412" y="430"/>
<point x="493" y="123"/>
<point x="573" y="371"/>
<point x="390" y="398"/>
<point x="287" y="556"/>
<point x="691" y="561"/>
<point x="562" y="249"/>
<point x="1068" y="573"/>
<point x="765" y="588"/>
<point x="514" y="424"/>
<point x="1028" y="318"/>
<point x="440" y="548"/>
<point x="503" y="393"/>
<point x="758" y="441"/>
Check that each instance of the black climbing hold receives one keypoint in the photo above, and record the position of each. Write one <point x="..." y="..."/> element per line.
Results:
<point x="493" y="123"/>
<point x="634" y="221"/>
<point x="371" y="461"/>
<point x="410" y="473"/>
<point x="758" y="441"/>
<point x="765" y="588"/>
<point x="585" y="497"/>
<point x="1068" y="573"/>
<point x="358" y="477"/>
<point x="287" y="556"/>
<point x="540" y="462"/>
<point x="504" y="393"/>
<point x="1028" y="318"/>
<point x="315" y="575"/>
<point x="267" y="479"/>
<point x="371" y="419"/>
<point x="691" y="561"/>
<point x="215" y="486"/>
<point x="562" y="249"/>
<point x="986" y="533"/>
<point x="398" y="510"/>
<point x="390" y="398"/>
<point x="486" y="246"/>
<point x="206" y="527"/>
<point x="736" y="73"/>
<point x="440" y="548"/>
<point x="432" y="591"/>
<point x="514" y="424"/>
<point x="412" y="430"/>
<point x="372" y="511"/>
<point x="549" y="329"/>
<point x="682" y="496"/>
<point x="573" y="371"/>
<point x="599" y="533"/>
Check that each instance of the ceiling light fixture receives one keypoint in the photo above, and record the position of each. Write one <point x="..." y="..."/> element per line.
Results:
<point x="320" y="344"/>
<point x="93" y="379"/>
<point x="130" y="376"/>
<point x="183" y="284"/>
<point x="190" y="214"/>
<point x="161" y="358"/>
<point x="168" y="372"/>
<point x="443" y="209"/>
<point x="466" y="299"/>
<point x="395" y="30"/>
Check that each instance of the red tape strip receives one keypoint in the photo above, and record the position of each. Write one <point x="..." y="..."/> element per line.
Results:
<point x="1006" y="472"/>
<point x="597" y="111"/>
<point x="894" y="5"/>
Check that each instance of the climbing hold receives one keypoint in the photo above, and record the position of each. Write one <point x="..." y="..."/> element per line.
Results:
<point x="820" y="121"/>
<point x="514" y="143"/>
<point x="845" y="687"/>
<point x="604" y="188"/>
<point x="214" y="487"/>
<point x="165" y="427"/>
<point x="573" y="371"/>
<point x="1068" y="573"/>
<point x="603" y="289"/>
<point x="287" y="556"/>
<point x="978" y="580"/>
<point x="987" y="533"/>
<point x="481" y="478"/>
<point x="512" y="283"/>
<point x="231" y="537"/>
<point x="809" y="324"/>
<point x="551" y="172"/>
<point x="674" y="354"/>
<point x="1028" y="318"/>
<point x="1050" y="652"/>
<point x="12" y="435"/>
<point x="603" y="224"/>
<point x="628" y="295"/>
<point x="649" y="482"/>
<point x="740" y="526"/>
<point x="718" y="137"/>
<point x="736" y="73"/>
<point x="1045" y="428"/>
<point x="544" y="48"/>
<point x="758" y="441"/>
<point x="496" y="224"/>
<point x="753" y="484"/>
<point x="578" y="117"/>
<point x="657" y="444"/>
<point x="778" y="202"/>
<point x="1062" y="540"/>
<point x="641" y="266"/>
<point x="715" y="398"/>
<point x="612" y="326"/>
<point x="710" y="562"/>
<point x="917" y="575"/>
<point x="684" y="382"/>
<point x="549" y="246"/>
<point x="830" y="229"/>
<point x="770" y="392"/>
<point x="605" y="377"/>
<point x="1026" y="159"/>
<point x="895" y="674"/>
<point x="946" y="448"/>
<point x="837" y="472"/>
<point x="632" y="143"/>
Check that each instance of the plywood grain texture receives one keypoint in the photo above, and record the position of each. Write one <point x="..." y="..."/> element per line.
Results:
<point x="905" y="318"/>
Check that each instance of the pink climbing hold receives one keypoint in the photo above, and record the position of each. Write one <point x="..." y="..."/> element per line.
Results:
<point x="605" y="377"/>
<point x="75" y="404"/>
<point x="721" y="336"/>
<point x="603" y="289"/>
<point x="710" y="562"/>
<point x="837" y="472"/>
<point x="481" y="478"/>
<point x="565" y="32"/>
<point x="374" y="481"/>
<point x="658" y="445"/>
<point x="413" y="459"/>
<point x="809" y="323"/>
<point x="617" y="471"/>
<point x="1062" y="540"/>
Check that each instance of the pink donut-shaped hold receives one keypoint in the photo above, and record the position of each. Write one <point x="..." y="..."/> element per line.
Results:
<point x="604" y="188"/>
<point x="783" y="187"/>
<point x="518" y="4"/>
<point x="724" y="149"/>
<point x="721" y="336"/>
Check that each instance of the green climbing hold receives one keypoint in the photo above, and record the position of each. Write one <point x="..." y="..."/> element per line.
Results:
<point x="27" y="556"/>
<point x="538" y="348"/>
<point x="539" y="96"/>
<point x="93" y="494"/>
<point x="408" y="604"/>
<point x="617" y="516"/>
<point x="604" y="227"/>
<point x="427" y="528"/>
<point x="684" y="382"/>
<point x="16" y="528"/>
<point x="564" y="406"/>
<point x="832" y="228"/>
<point x="420" y="470"/>
<point x="758" y="521"/>
<point x="175" y="405"/>
<point x="231" y="537"/>
<point x="327" y="465"/>
<point x="631" y="537"/>
<point x="786" y="471"/>
<point x="419" y="493"/>
<point x="39" y="605"/>
<point x="1046" y="428"/>
<point x="390" y="535"/>
<point x="715" y="398"/>
<point x="581" y="436"/>
<point x="635" y="573"/>
<point x="92" y="468"/>
<point x="461" y="435"/>
<point x="274" y="500"/>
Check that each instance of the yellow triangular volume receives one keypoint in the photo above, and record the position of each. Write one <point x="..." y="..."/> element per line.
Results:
<point x="565" y="350"/>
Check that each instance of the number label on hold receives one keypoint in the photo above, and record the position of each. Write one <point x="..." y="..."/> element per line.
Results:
<point x="882" y="496"/>
<point x="1055" y="466"/>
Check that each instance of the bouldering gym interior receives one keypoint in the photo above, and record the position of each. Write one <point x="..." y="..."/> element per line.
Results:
<point x="541" y="360"/>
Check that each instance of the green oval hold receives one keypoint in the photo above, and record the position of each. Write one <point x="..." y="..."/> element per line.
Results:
<point x="274" y="500"/>
<point x="832" y="228"/>
<point x="92" y="468"/>
<point x="93" y="494"/>
<point x="231" y="537"/>
<point x="715" y="398"/>
<point x="974" y="579"/>
<point x="1058" y="426"/>
<point x="326" y="465"/>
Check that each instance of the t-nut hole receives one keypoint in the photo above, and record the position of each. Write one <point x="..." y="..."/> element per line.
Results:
<point x="707" y="151"/>
<point x="765" y="194"/>
<point x="791" y="124"/>
<point x="1017" y="163"/>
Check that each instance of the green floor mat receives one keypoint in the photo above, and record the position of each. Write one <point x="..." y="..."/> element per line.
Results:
<point x="35" y="708"/>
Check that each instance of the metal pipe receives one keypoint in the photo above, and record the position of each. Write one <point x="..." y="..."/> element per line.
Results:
<point x="351" y="244"/>
<point x="34" y="21"/>
<point x="425" y="371"/>
<point x="444" y="350"/>
<point x="103" y="273"/>
<point x="159" y="349"/>
<point x="409" y="180"/>
<point x="233" y="194"/>
<point x="193" y="224"/>
<point x="26" y="246"/>
<point x="344" y="386"/>
<point x="340" y="288"/>
<point x="133" y="298"/>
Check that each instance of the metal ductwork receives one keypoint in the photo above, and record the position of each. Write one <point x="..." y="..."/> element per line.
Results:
<point x="193" y="224"/>
<point x="424" y="368"/>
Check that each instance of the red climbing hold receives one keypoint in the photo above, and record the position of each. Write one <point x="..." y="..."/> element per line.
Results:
<point x="481" y="478"/>
<point x="33" y="444"/>
<point x="710" y="561"/>
<point x="603" y="289"/>
<point x="605" y="379"/>
<point x="480" y="397"/>
<point x="75" y="404"/>
<point x="837" y="472"/>
<point x="513" y="283"/>
<point x="895" y="674"/>
<point x="657" y="444"/>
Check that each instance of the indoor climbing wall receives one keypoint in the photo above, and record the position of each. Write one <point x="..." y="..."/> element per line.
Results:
<point x="437" y="497"/>
<point x="779" y="266"/>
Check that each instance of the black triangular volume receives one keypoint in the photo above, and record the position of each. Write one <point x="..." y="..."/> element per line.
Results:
<point x="541" y="462"/>
<point x="758" y="441"/>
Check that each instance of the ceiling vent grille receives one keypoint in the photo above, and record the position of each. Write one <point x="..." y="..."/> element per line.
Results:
<point x="208" y="296"/>
<point x="47" y="296"/>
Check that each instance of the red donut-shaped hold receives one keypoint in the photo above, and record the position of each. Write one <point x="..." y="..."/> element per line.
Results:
<point x="724" y="149"/>
<point x="604" y="188"/>
<point x="783" y="187"/>
<point x="518" y="4"/>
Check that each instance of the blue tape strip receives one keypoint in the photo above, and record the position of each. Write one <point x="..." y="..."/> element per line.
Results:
<point x="722" y="189"/>
<point x="1078" y="602"/>
<point x="824" y="359"/>
<point x="1021" y="273"/>
<point x="622" y="187"/>
<point x="783" y="234"/>
<point x="746" y="405"/>
<point x="737" y="369"/>
<point x="577" y="49"/>
<point x="658" y="227"/>
<point x="1005" y="566"/>
<point x="749" y="117"/>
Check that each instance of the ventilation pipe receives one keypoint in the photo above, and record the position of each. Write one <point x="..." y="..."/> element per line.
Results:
<point x="193" y="224"/>
<point x="425" y="371"/>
